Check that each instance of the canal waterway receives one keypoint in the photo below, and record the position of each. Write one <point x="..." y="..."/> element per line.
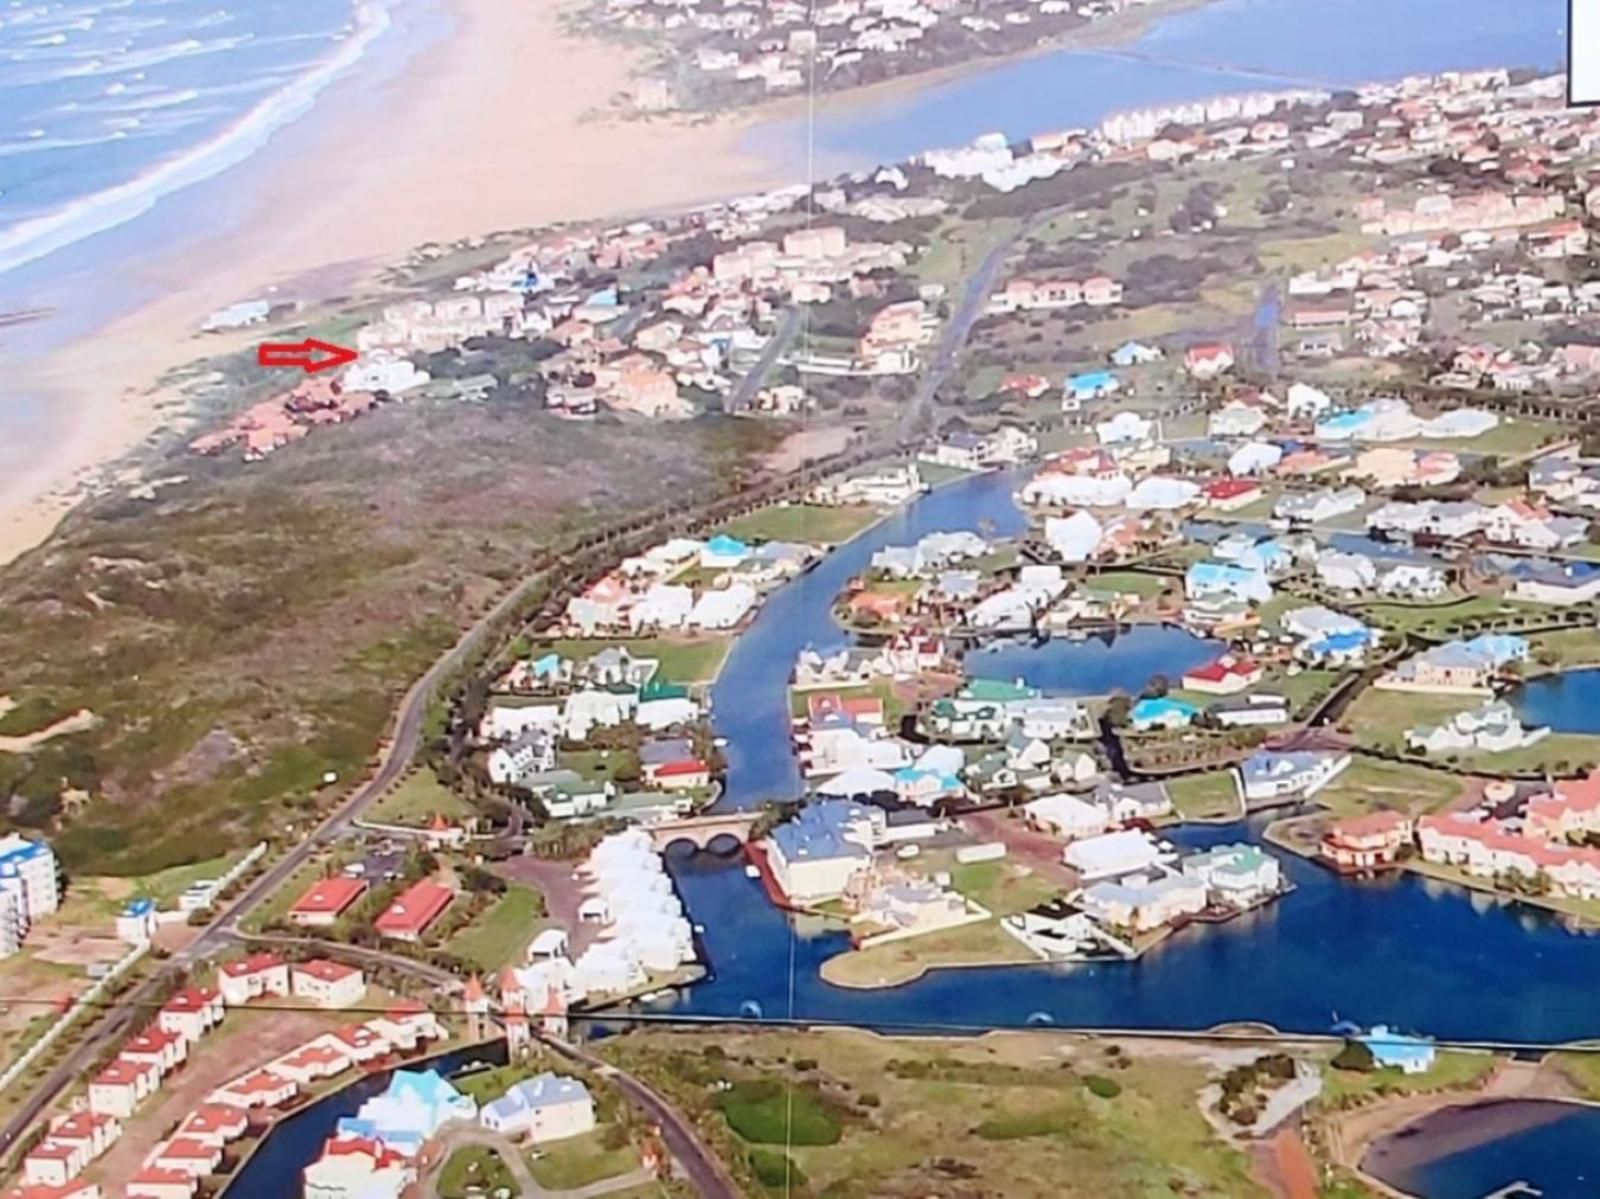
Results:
<point x="273" y="1171"/>
<point x="1099" y="664"/>
<point x="1470" y="1152"/>
<point x="1405" y="951"/>
<point x="750" y="705"/>
<point x="1567" y="703"/>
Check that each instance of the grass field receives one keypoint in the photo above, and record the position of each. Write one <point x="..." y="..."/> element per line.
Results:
<point x="581" y="1161"/>
<point x="499" y="936"/>
<point x="1380" y="720"/>
<point x="1003" y="886"/>
<point x="927" y="1116"/>
<point x="815" y="524"/>
<point x="1451" y="619"/>
<point x="682" y="659"/>
<point x="418" y="797"/>
<point x="1450" y="1069"/>
<point x="985" y="944"/>
<point x="1366" y="785"/>
<point x="765" y="1113"/>
<point x="1568" y="649"/>
<point x="1509" y="438"/>
<point x="474" y="1170"/>
<point x="1212" y="796"/>
<point x="1130" y="582"/>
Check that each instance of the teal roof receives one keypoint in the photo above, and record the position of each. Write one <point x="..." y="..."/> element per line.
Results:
<point x="996" y="691"/>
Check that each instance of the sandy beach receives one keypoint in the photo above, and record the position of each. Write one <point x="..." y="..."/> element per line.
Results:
<point x="492" y="129"/>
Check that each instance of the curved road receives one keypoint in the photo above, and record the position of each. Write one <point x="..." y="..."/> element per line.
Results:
<point x="704" y="1171"/>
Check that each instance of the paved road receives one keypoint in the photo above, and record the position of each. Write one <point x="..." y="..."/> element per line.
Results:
<point x="426" y="971"/>
<point x="973" y="304"/>
<point x="745" y="393"/>
<point x="704" y="1171"/>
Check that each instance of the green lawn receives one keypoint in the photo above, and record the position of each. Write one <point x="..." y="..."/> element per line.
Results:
<point x="1212" y="796"/>
<point x="771" y="1113"/>
<point x="581" y="1161"/>
<point x="417" y="798"/>
<point x="814" y="524"/>
<point x="1450" y="1069"/>
<point x="1131" y="582"/>
<point x="485" y="1086"/>
<point x="1303" y="689"/>
<point x="920" y="1101"/>
<point x="1380" y="720"/>
<point x="1507" y="439"/>
<point x="1449" y="619"/>
<point x="474" y="1170"/>
<point x="499" y="936"/>
<point x="1366" y="785"/>
<point x="682" y="659"/>
<point x="1003" y="887"/>
<point x="1567" y="649"/>
<point x="166" y="885"/>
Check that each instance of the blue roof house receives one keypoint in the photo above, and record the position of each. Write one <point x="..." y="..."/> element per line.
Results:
<point x="1208" y="580"/>
<point x="409" y="1112"/>
<point x="1499" y="648"/>
<point x="547" y="1107"/>
<point x="1162" y="713"/>
<point x="1396" y="1051"/>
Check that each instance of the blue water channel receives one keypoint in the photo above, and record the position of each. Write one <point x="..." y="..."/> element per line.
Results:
<point x="1554" y="1147"/>
<point x="1567" y="703"/>
<point x="750" y="703"/>
<point x="273" y="1171"/>
<point x="1405" y="952"/>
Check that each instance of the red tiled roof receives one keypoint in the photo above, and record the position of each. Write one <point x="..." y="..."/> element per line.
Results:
<point x="329" y="896"/>
<point x="122" y="1073"/>
<point x="190" y="999"/>
<point x="418" y="907"/>
<point x="1228" y="489"/>
<point x="256" y="963"/>
<point x="215" y="1117"/>
<point x="686" y="766"/>
<point x="326" y="971"/>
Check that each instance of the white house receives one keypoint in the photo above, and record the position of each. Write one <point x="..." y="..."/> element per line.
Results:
<point x="1112" y="854"/>
<point x="1066" y="816"/>
<point x="547" y="1107"/>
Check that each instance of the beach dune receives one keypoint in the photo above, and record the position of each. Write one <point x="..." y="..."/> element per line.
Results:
<point x="499" y="125"/>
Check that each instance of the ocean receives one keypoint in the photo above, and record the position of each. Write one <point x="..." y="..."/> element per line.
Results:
<point x="108" y="105"/>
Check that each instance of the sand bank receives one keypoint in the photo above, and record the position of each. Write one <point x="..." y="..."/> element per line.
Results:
<point x="494" y="128"/>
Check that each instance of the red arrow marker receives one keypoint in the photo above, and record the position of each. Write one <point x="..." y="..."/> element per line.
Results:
<point x="309" y="355"/>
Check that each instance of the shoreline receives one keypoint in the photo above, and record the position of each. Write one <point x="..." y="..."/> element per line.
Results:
<point x="447" y="174"/>
<point x="281" y="243"/>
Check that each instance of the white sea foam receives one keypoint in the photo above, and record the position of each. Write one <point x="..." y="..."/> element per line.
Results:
<point x="37" y="236"/>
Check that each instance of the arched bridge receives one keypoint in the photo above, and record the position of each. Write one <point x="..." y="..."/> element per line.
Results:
<point x="701" y="831"/>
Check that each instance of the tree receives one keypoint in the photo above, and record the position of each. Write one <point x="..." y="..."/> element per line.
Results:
<point x="1354" y="1057"/>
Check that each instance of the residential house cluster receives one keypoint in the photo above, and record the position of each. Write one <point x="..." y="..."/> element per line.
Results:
<point x="272" y="424"/>
<point x="1519" y="523"/>
<point x="1540" y="846"/>
<point x="639" y="930"/>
